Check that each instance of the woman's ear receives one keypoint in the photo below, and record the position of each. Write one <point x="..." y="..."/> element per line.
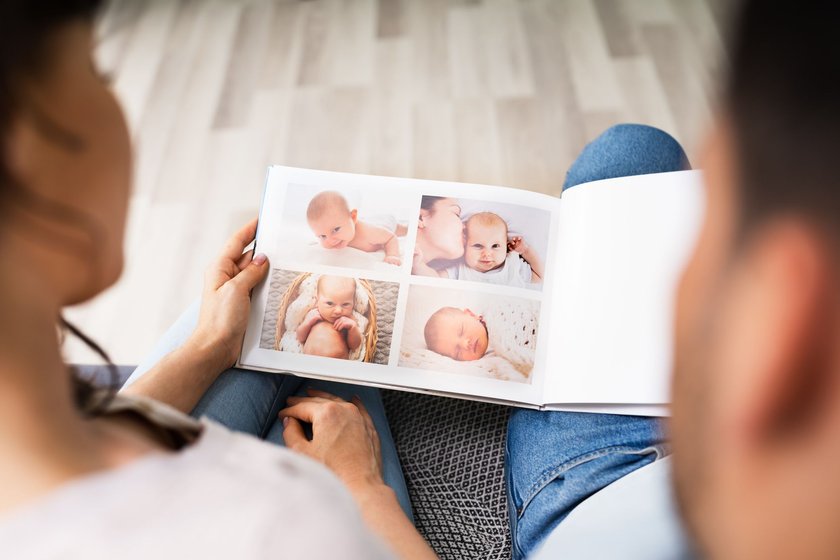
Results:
<point x="421" y="219"/>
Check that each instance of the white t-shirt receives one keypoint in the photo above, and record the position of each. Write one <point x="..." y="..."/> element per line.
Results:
<point x="228" y="495"/>
<point x="514" y="272"/>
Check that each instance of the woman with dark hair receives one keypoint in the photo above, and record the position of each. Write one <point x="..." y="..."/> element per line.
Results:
<point x="89" y="473"/>
<point x="440" y="235"/>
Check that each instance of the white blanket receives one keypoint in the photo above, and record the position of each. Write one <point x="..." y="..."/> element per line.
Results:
<point x="512" y="331"/>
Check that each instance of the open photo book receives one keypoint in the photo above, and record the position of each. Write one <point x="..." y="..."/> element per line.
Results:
<point x="473" y="291"/>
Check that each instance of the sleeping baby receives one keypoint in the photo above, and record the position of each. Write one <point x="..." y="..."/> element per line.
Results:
<point x="337" y="226"/>
<point x="506" y="329"/>
<point x="328" y="329"/>
<point x="458" y="333"/>
<point x="489" y="256"/>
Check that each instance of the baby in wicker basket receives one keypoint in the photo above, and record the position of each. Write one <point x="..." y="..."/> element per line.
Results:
<point x="490" y="256"/>
<point x="329" y="329"/>
<point x="337" y="226"/>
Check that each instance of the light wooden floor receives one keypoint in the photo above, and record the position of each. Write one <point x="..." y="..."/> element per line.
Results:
<point x="491" y="91"/>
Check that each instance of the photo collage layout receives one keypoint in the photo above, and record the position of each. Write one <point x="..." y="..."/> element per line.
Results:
<point x="390" y="277"/>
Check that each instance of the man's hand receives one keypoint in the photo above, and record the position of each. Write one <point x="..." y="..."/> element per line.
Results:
<point x="344" y="438"/>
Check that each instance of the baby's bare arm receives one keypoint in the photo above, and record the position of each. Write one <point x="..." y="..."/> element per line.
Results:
<point x="392" y="247"/>
<point x="312" y="317"/>
<point x="354" y="337"/>
<point x="531" y="257"/>
<point x="351" y="328"/>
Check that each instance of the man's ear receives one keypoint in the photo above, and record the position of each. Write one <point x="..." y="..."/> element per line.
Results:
<point x="788" y="294"/>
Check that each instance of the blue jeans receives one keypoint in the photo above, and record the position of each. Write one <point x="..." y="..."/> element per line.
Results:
<point x="555" y="460"/>
<point x="248" y="401"/>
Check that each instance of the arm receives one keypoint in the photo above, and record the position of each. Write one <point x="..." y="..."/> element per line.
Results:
<point x="354" y="334"/>
<point x="311" y="319"/>
<point x="345" y="440"/>
<point x="181" y="378"/>
<point x="386" y="239"/>
<point x="531" y="257"/>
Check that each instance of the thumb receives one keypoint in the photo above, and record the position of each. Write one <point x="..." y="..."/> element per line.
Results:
<point x="293" y="433"/>
<point x="251" y="275"/>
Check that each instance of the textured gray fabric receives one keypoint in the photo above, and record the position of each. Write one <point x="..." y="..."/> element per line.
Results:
<point x="452" y="454"/>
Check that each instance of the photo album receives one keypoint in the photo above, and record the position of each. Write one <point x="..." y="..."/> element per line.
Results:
<point x="474" y="291"/>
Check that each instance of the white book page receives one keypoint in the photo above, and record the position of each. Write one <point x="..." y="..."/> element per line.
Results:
<point x="622" y="248"/>
<point x="392" y="305"/>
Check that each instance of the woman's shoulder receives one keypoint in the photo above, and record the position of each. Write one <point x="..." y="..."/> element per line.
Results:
<point x="227" y="494"/>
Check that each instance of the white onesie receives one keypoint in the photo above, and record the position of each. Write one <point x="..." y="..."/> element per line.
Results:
<point x="514" y="272"/>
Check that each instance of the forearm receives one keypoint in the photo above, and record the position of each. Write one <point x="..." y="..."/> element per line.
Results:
<point x="392" y="246"/>
<point x="181" y="378"/>
<point x="303" y="330"/>
<point x="354" y="338"/>
<point x="535" y="263"/>
<point x="384" y="516"/>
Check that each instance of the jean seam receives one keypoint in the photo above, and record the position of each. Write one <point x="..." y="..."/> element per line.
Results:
<point x="513" y="512"/>
<point x="551" y="474"/>
<point x="267" y="421"/>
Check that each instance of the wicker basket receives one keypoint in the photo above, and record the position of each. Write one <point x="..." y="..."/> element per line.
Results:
<point x="291" y="295"/>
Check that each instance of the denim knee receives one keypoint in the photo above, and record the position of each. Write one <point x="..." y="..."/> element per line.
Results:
<point x="624" y="150"/>
<point x="555" y="460"/>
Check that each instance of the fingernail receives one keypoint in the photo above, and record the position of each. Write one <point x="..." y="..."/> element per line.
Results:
<point x="285" y="421"/>
<point x="259" y="259"/>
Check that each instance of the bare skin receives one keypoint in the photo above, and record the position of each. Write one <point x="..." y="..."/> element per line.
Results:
<point x="326" y="341"/>
<point x="44" y="440"/>
<point x="439" y="236"/>
<point x="334" y="304"/>
<point x="336" y="229"/>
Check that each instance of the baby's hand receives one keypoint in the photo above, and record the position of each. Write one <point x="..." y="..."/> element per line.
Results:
<point x="344" y="323"/>
<point x="312" y="316"/>
<point x="418" y="257"/>
<point x="517" y="244"/>
<point x="393" y="259"/>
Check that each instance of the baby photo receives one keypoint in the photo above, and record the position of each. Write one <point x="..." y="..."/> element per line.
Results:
<point x="329" y="316"/>
<point x="470" y="333"/>
<point x="481" y="241"/>
<point x="357" y="229"/>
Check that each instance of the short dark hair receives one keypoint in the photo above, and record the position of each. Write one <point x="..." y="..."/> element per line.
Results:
<point x="782" y="95"/>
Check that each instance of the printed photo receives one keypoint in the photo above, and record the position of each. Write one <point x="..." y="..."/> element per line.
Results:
<point x="479" y="241"/>
<point x="329" y="316"/>
<point x="363" y="229"/>
<point x="470" y="333"/>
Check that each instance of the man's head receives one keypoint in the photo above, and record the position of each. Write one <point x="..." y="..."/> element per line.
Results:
<point x="756" y="418"/>
<point x="331" y="220"/>
<point x="485" y="241"/>
<point x="457" y="333"/>
<point x="336" y="297"/>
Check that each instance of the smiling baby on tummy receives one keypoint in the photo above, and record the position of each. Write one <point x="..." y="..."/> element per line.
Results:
<point x="337" y="226"/>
